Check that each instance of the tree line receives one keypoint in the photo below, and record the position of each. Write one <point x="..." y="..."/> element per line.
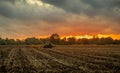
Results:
<point x="55" y="39"/>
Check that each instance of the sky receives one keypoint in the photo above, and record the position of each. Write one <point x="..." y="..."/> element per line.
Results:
<point x="27" y="18"/>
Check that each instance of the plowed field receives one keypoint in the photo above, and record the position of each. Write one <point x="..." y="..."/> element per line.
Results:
<point x="60" y="59"/>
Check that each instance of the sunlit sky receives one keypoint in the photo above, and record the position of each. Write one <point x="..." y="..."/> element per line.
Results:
<point x="35" y="18"/>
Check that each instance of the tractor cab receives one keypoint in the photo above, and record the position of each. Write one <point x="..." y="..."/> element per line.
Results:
<point x="48" y="45"/>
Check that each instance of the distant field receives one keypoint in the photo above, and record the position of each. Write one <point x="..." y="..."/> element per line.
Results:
<point x="60" y="59"/>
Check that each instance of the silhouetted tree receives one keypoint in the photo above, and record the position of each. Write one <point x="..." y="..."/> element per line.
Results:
<point x="44" y="40"/>
<point x="116" y="41"/>
<point x="32" y="40"/>
<point x="2" y="41"/>
<point x="83" y="41"/>
<point x="103" y="41"/>
<point x="63" y="41"/>
<point x="19" y="42"/>
<point x="11" y="41"/>
<point x="55" y="38"/>
<point x="94" y="40"/>
<point x="71" y="40"/>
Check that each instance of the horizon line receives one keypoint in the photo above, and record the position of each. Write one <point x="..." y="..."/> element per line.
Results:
<point x="113" y="36"/>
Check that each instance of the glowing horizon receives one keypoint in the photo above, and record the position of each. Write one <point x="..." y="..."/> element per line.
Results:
<point x="41" y="18"/>
<point x="113" y="36"/>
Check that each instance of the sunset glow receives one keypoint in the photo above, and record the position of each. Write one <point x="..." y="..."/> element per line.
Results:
<point x="87" y="36"/>
<point x="110" y="35"/>
<point x="78" y="37"/>
<point x="92" y="36"/>
<point x="69" y="18"/>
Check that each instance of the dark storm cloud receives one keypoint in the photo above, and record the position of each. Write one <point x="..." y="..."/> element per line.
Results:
<point x="5" y="10"/>
<point x="81" y="4"/>
<point x="24" y="10"/>
<point x="18" y="17"/>
<point x="12" y="1"/>
<point x="108" y="8"/>
<point x="89" y="7"/>
<point x="68" y="5"/>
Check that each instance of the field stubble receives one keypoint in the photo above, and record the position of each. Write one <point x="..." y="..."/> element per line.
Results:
<point x="60" y="59"/>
